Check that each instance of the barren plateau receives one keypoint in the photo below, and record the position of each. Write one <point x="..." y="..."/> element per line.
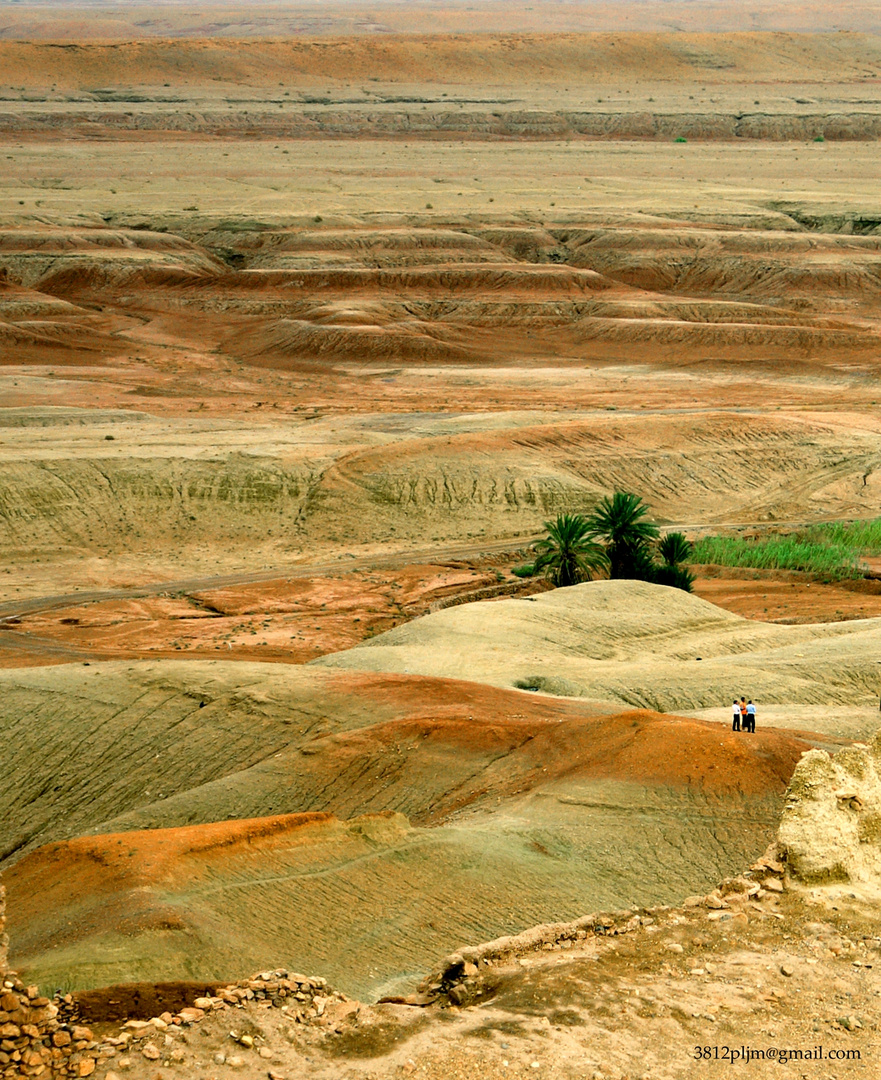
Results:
<point x="310" y="317"/>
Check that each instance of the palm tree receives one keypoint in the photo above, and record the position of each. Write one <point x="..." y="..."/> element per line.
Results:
<point x="620" y="522"/>
<point x="674" y="549"/>
<point x="567" y="554"/>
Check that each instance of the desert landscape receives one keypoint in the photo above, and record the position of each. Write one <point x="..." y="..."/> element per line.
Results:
<point x="311" y="316"/>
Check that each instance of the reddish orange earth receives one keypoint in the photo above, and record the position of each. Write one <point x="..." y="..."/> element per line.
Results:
<point x="296" y="620"/>
<point x="468" y="764"/>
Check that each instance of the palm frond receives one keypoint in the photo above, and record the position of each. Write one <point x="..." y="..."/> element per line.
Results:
<point x="568" y="555"/>
<point x="674" y="549"/>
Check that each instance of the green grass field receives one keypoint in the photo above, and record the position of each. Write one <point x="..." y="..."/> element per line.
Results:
<point x="831" y="550"/>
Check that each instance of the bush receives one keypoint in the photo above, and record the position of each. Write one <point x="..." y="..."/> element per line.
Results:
<point x="568" y="554"/>
<point x="526" y="570"/>
<point x="674" y="548"/>
<point x="677" y="577"/>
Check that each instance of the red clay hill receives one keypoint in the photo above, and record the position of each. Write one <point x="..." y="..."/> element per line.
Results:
<point x="544" y="809"/>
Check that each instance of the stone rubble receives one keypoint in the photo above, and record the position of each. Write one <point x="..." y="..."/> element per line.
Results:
<point x="458" y="981"/>
<point x="39" y="1036"/>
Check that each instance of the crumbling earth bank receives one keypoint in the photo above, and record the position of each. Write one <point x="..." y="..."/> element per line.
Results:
<point x="4" y="941"/>
<point x="830" y="829"/>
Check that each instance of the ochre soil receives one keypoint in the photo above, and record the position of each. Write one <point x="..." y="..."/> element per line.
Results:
<point x="788" y="596"/>
<point x="250" y="740"/>
<point x="300" y="309"/>
<point x="296" y="620"/>
<point x="290" y="621"/>
<point x="166" y="889"/>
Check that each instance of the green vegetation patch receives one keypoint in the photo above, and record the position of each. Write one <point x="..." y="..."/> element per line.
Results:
<point x="526" y="570"/>
<point x="831" y="550"/>
<point x="862" y="537"/>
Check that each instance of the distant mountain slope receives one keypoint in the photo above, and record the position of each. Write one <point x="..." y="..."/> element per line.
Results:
<point x="103" y="19"/>
<point x="485" y="59"/>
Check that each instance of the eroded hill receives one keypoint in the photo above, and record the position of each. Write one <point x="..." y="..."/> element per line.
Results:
<point x="306" y="302"/>
<point x="184" y="798"/>
<point x="777" y="961"/>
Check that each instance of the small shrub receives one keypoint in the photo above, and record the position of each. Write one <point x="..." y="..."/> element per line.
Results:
<point x="526" y="570"/>
<point x="674" y="549"/>
<point x="677" y="577"/>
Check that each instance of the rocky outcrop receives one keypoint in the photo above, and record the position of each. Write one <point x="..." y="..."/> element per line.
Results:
<point x="830" y="829"/>
<point x="43" y="1037"/>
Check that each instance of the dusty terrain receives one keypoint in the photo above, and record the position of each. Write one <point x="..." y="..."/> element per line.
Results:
<point x="635" y="995"/>
<point x="309" y="319"/>
<point x="634" y="643"/>
<point x="503" y="806"/>
<point x="761" y="969"/>
<point x="87" y="20"/>
<point x="309" y="613"/>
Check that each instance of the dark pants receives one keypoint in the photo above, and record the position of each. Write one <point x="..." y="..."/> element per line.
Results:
<point x="735" y="724"/>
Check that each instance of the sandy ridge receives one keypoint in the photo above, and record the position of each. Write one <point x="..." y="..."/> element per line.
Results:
<point x="462" y="58"/>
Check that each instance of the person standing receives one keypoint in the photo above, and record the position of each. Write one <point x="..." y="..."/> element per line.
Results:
<point x="735" y="716"/>
<point x="743" y="714"/>
<point x="750" y="716"/>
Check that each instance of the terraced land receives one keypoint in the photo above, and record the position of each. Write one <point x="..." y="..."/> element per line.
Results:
<point x="302" y="339"/>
